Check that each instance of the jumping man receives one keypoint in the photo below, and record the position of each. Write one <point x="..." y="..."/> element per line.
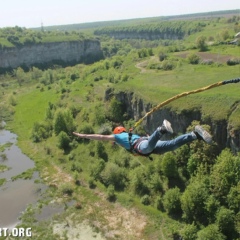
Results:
<point x="150" y="145"/>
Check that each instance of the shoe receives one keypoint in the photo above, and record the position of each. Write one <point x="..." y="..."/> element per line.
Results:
<point x="166" y="127"/>
<point x="203" y="134"/>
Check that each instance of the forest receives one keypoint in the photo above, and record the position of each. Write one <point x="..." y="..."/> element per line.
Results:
<point x="191" y="193"/>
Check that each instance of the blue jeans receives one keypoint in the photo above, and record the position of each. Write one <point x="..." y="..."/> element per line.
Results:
<point x="154" y="145"/>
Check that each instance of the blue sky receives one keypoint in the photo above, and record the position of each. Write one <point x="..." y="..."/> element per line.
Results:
<point x="30" y="13"/>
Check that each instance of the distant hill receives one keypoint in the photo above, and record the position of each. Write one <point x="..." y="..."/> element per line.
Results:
<point x="95" y="25"/>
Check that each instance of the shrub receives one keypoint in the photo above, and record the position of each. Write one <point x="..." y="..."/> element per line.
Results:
<point x="193" y="58"/>
<point x="115" y="110"/>
<point x="113" y="175"/>
<point x="138" y="181"/>
<point x="66" y="189"/>
<point x="159" y="203"/>
<point x="233" y="61"/>
<point x="76" y="167"/>
<point x="201" y="43"/>
<point x="96" y="169"/>
<point x="111" y="196"/>
<point x="41" y="131"/>
<point x="145" y="200"/>
<point x="63" y="121"/>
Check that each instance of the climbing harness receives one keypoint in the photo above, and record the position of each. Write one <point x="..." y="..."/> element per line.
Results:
<point x="134" y="146"/>
<point x="237" y="80"/>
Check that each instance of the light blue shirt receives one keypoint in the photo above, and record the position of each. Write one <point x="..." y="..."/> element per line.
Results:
<point x="123" y="139"/>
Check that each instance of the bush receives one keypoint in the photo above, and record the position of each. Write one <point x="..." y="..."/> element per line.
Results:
<point x="66" y="189"/>
<point x="158" y="203"/>
<point x="233" y="61"/>
<point x="201" y="43"/>
<point x="145" y="200"/>
<point x="111" y="196"/>
<point x="193" y="58"/>
<point x="76" y="167"/>
<point x="41" y="131"/>
<point x="113" y="175"/>
<point x="63" y="121"/>
<point x="96" y="169"/>
<point x="115" y="110"/>
<point x="138" y="181"/>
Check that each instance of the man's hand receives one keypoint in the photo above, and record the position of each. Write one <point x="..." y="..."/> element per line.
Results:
<point x="81" y="135"/>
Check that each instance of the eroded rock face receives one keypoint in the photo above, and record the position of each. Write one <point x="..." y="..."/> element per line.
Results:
<point x="223" y="133"/>
<point x="68" y="52"/>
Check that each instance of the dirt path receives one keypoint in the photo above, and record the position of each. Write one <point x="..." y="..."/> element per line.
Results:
<point x="143" y="65"/>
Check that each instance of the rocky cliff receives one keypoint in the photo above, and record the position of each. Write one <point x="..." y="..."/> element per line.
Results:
<point x="65" y="52"/>
<point x="135" y="107"/>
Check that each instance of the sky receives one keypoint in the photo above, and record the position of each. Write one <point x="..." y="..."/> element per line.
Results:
<point x="32" y="13"/>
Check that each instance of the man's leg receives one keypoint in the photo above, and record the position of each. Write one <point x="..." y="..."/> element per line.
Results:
<point x="147" y="146"/>
<point x="166" y="146"/>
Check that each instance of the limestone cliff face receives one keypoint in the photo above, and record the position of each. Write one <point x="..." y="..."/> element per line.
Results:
<point x="67" y="52"/>
<point x="136" y="108"/>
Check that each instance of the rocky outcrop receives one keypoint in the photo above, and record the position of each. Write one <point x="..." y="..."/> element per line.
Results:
<point x="65" y="52"/>
<point x="135" y="107"/>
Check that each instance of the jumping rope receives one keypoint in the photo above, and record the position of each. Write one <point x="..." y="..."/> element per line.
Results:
<point x="218" y="84"/>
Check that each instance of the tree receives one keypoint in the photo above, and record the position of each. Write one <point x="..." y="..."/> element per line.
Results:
<point x="171" y="201"/>
<point x="193" y="58"/>
<point x="225" y="174"/>
<point x="225" y="34"/>
<point x="64" y="121"/>
<point x="233" y="198"/>
<point x="112" y="174"/>
<point x="63" y="140"/>
<point x="115" y="110"/>
<point x="201" y="43"/>
<point x="225" y="221"/>
<point x="168" y="165"/>
<point x="189" y="232"/>
<point x="211" y="232"/>
<point x="193" y="200"/>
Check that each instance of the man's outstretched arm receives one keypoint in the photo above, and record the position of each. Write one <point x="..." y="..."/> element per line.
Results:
<point x="95" y="136"/>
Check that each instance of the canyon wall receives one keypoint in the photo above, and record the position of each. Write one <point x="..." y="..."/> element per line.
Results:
<point x="223" y="133"/>
<point x="67" y="52"/>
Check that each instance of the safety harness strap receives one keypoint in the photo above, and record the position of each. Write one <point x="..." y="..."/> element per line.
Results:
<point x="134" y="147"/>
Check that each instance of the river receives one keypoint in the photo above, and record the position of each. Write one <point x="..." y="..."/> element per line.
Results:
<point x="15" y="195"/>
